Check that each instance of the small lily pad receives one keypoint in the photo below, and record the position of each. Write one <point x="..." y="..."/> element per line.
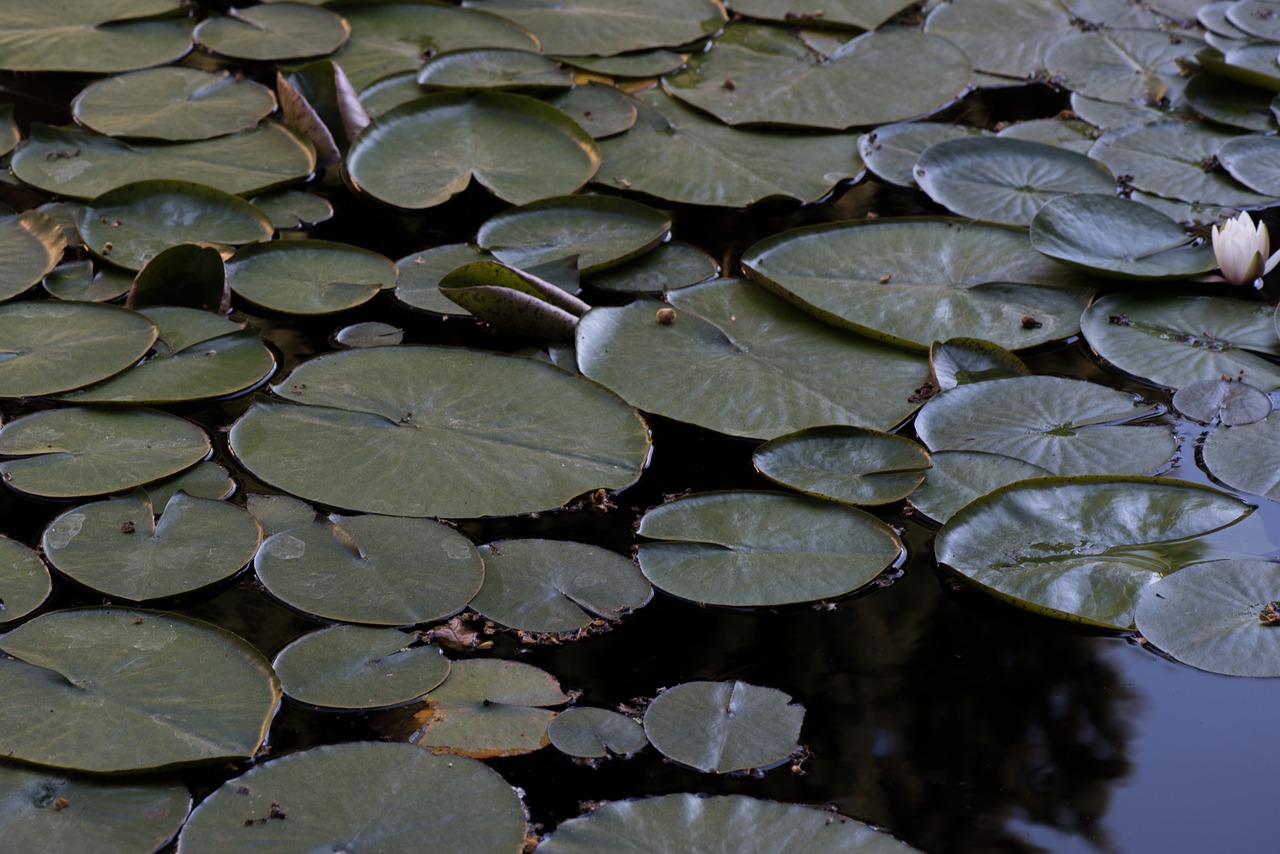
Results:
<point x="591" y="733"/>
<point x="720" y="727"/>
<point x="31" y="245"/>
<point x="493" y="68"/>
<point x="958" y="477"/>
<point x="24" y="584"/>
<point x="186" y="275"/>
<point x="278" y="513"/>
<point x="273" y="31"/>
<point x="370" y="334"/>
<point x="671" y="266"/>
<point x="1246" y="457"/>
<point x="203" y="480"/>
<point x="891" y="151"/>
<point x="421" y="272"/>
<point x="601" y="110"/>
<point x="848" y="464"/>
<point x="290" y="209"/>
<point x="1226" y="402"/>
<point x="79" y="281"/>
<point x="309" y="276"/>
<point x="960" y="361"/>
<point x="1253" y="161"/>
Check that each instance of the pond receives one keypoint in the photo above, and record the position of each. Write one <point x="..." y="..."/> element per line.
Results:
<point x="879" y="446"/>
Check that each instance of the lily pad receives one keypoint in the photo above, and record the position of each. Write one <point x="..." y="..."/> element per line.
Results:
<point x="762" y="548"/>
<point x="487" y="708"/>
<point x="915" y="281"/>
<point x="637" y="63"/>
<point x="289" y="209"/>
<point x="1230" y="103"/>
<point x="55" y="346"/>
<point x="96" y="816"/>
<point x="864" y="14"/>
<point x="891" y="151"/>
<point x="91" y="37"/>
<point x="78" y="281"/>
<point x="370" y="334"/>
<point x="1243" y="457"/>
<point x="122" y="689"/>
<point x="606" y="27"/>
<point x="1005" y="37"/>
<point x="1003" y="180"/>
<point x="1070" y="427"/>
<point x="557" y="586"/>
<point x="777" y="370"/>
<point x="1175" y="341"/>
<point x="960" y="361"/>
<point x="513" y="302"/>
<point x="1253" y="161"/>
<point x="203" y="480"/>
<point x="278" y="513"/>
<point x="85" y="165"/>
<point x="1116" y="64"/>
<point x="31" y="245"/>
<point x="309" y="276"/>
<point x="958" y="477"/>
<point x="591" y="733"/>
<point x="411" y="431"/>
<point x="1082" y="549"/>
<point x="764" y="75"/>
<point x="421" y="272"/>
<point x="518" y="147"/>
<point x="80" y="451"/>
<point x="601" y="110"/>
<point x="1117" y="238"/>
<point x="173" y="103"/>
<point x="188" y="276"/>
<point x="116" y="547"/>
<point x="357" y="667"/>
<point x="679" y="154"/>
<point x="687" y="822"/>
<point x="377" y="570"/>
<point x="848" y="464"/>
<point x="1255" y="18"/>
<point x="130" y="225"/>
<point x="24" y="584"/>
<point x="719" y="727"/>
<point x="601" y="231"/>
<point x="670" y="266"/>
<point x="493" y="68"/>
<point x="273" y="31"/>
<point x="307" y="802"/>
<point x="1227" y="402"/>
<point x="1069" y="134"/>
<point x="1220" y="616"/>
<point x="10" y="133"/>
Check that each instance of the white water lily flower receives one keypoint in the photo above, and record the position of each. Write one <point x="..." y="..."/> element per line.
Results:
<point x="1241" y="250"/>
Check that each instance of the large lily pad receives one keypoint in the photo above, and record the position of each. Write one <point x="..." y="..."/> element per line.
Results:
<point x="606" y="27"/>
<point x="1006" y="37"/>
<point x="1253" y="161"/>
<point x="765" y="75"/>
<point x="1082" y="549"/>
<point x="557" y="586"/>
<point x="273" y="31"/>
<point x="309" y="276"/>
<point x="24" y="582"/>
<point x="116" y="547"/>
<point x="489" y="707"/>
<point x="1175" y="341"/>
<point x="1067" y="426"/>
<point x="848" y="464"/>
<point x="91" y="37"/>
<point x="31" y="245"/>
<point x="79" y="451"/>
<point x="120" y="689"/>
<point x="379" y="570"/>
<point x="776" y="369"/>
<point x="724" y="726"/>
<point x="762" y="548"/>
<point x="957" y="477"/>
<point x="590" y="733"/>
<point x="1126" y="65"/>
<point x="413" y="431"/>
<point x="915" y="281"/>
<point x="362" y="796"/>
<point x="520" y="148"/>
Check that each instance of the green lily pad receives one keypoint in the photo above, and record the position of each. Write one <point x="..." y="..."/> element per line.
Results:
<point x="10" y="133"/>
<point x="1227" y="402"/>
<point x="357" y="667"/>
<point x="1255" y="18"/>
<point x="864" y="14"/>
<point x="687" y="822"/>
<point x="80" y="451"/>
<point x="601" y="110"/>
<point x="1251" y="63"/>
<point x="1175" y="341"/>
<point x="361" y="796"/>
<point x="290" y="209"/>
<point x="677" y="153"/>
<point x="1003" y="180"/>
<point x="116" y="547"/>
<point x="85" y="165"/>
<point x="199" y="356"/>
<point x="1070" y="427"/>
<point x="309" y="276"/>
<point x="1117" y="238"/>
<point x="607" y="27"/>
<point x="915" y="281"/>
<point x="1253" y="161"/>
<point x="1106" y="115"/>
<point x="187" y="276"/>
<point x="960" y="361"/>
<point x="203" y="480"/>
<point x="670" y="266"/>
<point x="557" y="586"/>
<point x="1134" y="65"/>
<point x="1005" y="37"/>
<point x="519" y="148"/>
<point x="719" y="727"/>
<point x="1243" y="457"/>
<point x="173" y="103"/>
<point x="24" y="584"/>
<point x="958" y="477"/>
<point x="891" y="151"/>
<point x="493" y="68"/>
<point x="55" y="346"/>
<point x="1082" y="549"/>
<point x="31" y="245"/>
<point x="762" y="548"/>
<point x="377" y="570"/>
<point x="122" y="689"/>
<point x="273" y="31"/>
<point x="764" y="75"/>
<point x="77" y="281"/>
<point x="1230" y="103"/>
<point x="1069" y="134"/>
<point x="487" y="708"/>
<point x="370" y="334"/>
<point x="421" y="272"/>
<point x="91" y="37"/>
<point x="848" y="464"/>
<point x="130" y="225"/>
<point x="636" y="63"/>
<point x="591" y="733"/>
<point x="411" y="431"/>
<point x="109" y="816"/>
<point x="1218" y="616"/>
<point x="776" y="370"/>
<point x="276" y="513"/>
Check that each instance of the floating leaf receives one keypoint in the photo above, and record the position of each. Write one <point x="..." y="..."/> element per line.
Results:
<point x="493" y="68"/>
<point x="309" y="276"/>
<point x="378" y="570"/>
<point x="487" y="708"/>
<point x="1244" y="457"/>
<point x="356" y="667"/>
<point x="1227" y="402"/>
<point x="848" y="464"/>
<point x="1253" y="161"/>
<point x="557" y="586"/>
<point x="25" y="584"/>
<point x="320" y="101"/>
<point x="278" y="513"/>
<point x="636" y="63"/>
<point x="670" y="266"/>
<point x="891" y="151"/>
<point x="371" y="334"/>
<point x="10" y="133"/>
<point x="606" y="27"/>
<point x="421" y="272"/>
<point x="1230" y="103"/>
<point x="289" y="209"/>
<point x="187" y="275"/>
<point x="958" y="477"/>
<point x="273" y="31"/>
<point x="91" y="37"/>
<point x="31" y="245"/>
<point x="203" y="480"/>
<point x="724" y="726"/>
<point x="762" y="548"/>
<point x="591" y="733"/>
<point x="864" y="14"/>
<point x="960" y="361"/>
<point x="601" y="110"/>
<point x="78" y="281"/>
<point x="1006" y="37"/>
<point x="1114" y="64"/>
<point x="122" y="689"/>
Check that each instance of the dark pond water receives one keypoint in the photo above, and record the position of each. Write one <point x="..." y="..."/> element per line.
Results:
<point x="959" y="724"/>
